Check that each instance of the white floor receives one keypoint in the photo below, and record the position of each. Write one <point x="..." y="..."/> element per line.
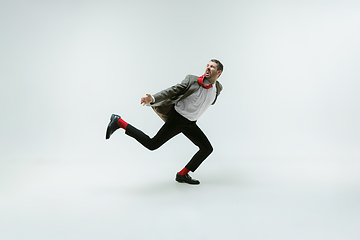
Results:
<point x="257" y="198"/>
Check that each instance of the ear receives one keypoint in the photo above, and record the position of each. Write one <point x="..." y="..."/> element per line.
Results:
<point x="219" y="73"/>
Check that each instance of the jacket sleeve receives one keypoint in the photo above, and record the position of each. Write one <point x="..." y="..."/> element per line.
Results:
<point x="219" y="88"/>
<point x="172" y="92"/>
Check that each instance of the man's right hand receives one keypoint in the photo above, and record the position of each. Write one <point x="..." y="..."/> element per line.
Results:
<point x="146" y="100"/>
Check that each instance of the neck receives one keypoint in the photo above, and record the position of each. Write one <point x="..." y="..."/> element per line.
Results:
<point x="211" y="80"/>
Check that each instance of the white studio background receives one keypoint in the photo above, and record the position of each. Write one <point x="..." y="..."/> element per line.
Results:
<point x="289" y="111"/>
<point x="289" y="81"/>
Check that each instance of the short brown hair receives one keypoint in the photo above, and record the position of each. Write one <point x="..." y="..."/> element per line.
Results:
<point x="219" y="64"/>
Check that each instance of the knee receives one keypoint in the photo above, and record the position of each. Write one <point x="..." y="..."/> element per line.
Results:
<point x="211" y="149"/>
<point x="208" y="149"/>
<point x="152" y="147"/>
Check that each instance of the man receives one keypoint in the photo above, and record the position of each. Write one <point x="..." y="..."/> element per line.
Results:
<point x="179" y="106"/>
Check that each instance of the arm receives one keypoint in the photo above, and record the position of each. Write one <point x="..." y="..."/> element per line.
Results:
<point x="172" y="92"/>
<point x="169" y="93"/>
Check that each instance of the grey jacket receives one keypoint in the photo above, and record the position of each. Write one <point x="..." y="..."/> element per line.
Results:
<point x="166" y="99"/>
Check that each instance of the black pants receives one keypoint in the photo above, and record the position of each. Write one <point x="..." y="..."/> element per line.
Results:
<point x="174" y="125"/>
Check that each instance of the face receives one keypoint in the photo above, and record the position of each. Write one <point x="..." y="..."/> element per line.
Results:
<point x="211" y="72"/>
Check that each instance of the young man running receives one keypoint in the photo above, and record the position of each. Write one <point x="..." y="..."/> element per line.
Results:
<point x="180" y="106"/>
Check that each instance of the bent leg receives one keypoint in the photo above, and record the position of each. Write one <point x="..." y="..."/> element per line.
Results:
<point x="166" y="132"/>
<point x="197" y="136"/>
